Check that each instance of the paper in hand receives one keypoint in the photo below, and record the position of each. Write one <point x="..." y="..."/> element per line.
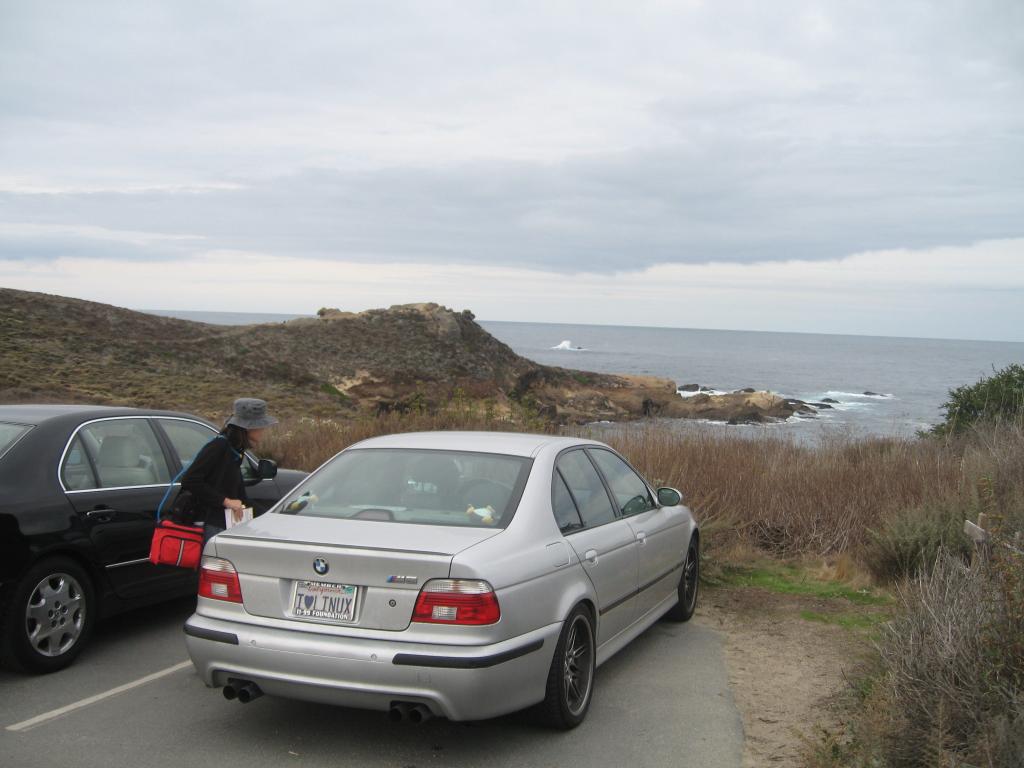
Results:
<point x="229" y="517"/>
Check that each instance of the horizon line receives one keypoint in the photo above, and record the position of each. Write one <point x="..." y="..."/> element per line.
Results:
<point x="296" y="315"/>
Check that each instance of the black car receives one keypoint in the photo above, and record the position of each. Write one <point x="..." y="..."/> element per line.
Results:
<point x="79" y="490"/>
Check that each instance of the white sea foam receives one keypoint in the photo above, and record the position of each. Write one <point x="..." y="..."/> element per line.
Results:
<point x="844" y="406"/>
<point x="704" y="392"/>
<point x="567" y="346"/>
<point x="834" y="394"/>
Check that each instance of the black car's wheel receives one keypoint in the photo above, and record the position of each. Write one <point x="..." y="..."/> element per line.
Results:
<point x="689" y="583"/>
<point x="48" y="616"/>
<point x="570" y="684"/>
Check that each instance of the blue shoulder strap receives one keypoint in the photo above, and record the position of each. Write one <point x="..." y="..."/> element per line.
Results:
<point x="159" y="510"/>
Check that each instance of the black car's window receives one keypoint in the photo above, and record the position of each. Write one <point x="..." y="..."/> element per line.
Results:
<point x="430" y="487"/>
<point x="187" y="437"/>
<point x="77" y="473"/>
<point x="125" y="453"/>
<point x="9" y="433"/>
<point x="566" y="514"/>
<point x="594" y="505"/>
<point x="630" y="492"/>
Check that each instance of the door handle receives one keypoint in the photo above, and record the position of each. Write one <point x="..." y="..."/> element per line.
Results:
<point x="101" y="513"/>
<point x="641" y="536"/>
<point x="590" y="556"/>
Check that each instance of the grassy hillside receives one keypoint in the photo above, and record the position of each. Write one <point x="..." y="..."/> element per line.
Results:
<point x="414" y="357"/>
<point x="59" y="349"/>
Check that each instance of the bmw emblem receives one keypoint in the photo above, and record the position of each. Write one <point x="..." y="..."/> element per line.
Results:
<point x="320" y="566"/>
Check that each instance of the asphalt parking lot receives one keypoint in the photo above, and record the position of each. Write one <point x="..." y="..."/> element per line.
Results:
<point x="133" y="700"/>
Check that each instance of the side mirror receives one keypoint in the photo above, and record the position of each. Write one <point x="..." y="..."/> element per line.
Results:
<point x="669" y="497"/>
<point x="266" y="469"/>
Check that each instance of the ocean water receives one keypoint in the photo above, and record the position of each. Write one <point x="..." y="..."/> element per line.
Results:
<point x="910" y="378"/>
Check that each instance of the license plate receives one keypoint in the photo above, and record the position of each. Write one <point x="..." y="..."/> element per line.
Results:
<point x="325" y="601"/>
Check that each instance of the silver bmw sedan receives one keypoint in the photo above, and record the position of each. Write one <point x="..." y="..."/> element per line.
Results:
<point x="458" y="574"/>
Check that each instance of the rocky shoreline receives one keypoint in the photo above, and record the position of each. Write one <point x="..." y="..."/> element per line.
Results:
<point x="636" y="397"/>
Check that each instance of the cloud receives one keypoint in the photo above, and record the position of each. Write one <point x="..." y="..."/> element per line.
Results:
<point x="49" y="242"/>
<point x="572" y="138"/>
<point x="722" y="200"/>
<point x="968" y="292"/>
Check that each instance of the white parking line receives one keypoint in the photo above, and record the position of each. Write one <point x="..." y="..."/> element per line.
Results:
<point x="25" y="725"/>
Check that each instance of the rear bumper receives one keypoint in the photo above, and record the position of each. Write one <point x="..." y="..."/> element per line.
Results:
<point x="458" y="682"/>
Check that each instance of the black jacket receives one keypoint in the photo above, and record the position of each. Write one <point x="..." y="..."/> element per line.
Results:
<point x="214" y="475"/>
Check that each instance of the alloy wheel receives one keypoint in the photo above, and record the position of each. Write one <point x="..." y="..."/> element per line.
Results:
<point x="55" y="614"/>
<point x="691" y="578"/>
<point x="578" y="665"/>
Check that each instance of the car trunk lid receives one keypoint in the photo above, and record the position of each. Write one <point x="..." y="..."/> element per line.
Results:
<point x="387" y="563"/>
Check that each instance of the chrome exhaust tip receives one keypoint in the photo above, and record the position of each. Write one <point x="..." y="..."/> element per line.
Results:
<point x="248" y="692"/>
<point x="419" y="713"/>
<point x="398" y="713"/>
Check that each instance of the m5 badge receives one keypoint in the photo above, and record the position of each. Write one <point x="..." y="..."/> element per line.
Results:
<point x="403" y="579"/>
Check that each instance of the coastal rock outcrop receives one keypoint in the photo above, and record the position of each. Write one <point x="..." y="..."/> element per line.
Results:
<point x="410" y="357"/>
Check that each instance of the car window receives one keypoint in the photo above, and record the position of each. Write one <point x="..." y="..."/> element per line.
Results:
<point x="125" y="453"/>
<point x="587" y="489"/>
<point x="566" y="514"/>
<point x="77" y="473"/>
<point x="187" y="437"/>
<point x="630" y="492"/>
<point x="9" y="433"/>
<point x="430" y="487"/>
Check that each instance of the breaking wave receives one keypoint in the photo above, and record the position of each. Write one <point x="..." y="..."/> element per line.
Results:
<point x="869" y="395"/>
<point x="704" y="392"/>
<point x="567" y="346"/>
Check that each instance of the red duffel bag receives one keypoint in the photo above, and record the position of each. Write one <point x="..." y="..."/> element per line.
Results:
<point x="174" y="544"/>
<point x="175" y="541"/>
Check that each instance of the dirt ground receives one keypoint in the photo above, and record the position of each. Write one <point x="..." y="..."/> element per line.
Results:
<point x="788" y="674"/>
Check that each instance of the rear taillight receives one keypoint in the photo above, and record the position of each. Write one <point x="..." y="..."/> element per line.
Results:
<point x="456" y="601"/>
<point x="218" y="580"/>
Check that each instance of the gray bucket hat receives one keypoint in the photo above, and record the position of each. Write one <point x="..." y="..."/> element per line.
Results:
<point x="251" y="413"/>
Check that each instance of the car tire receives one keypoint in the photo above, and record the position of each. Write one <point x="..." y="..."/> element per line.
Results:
<point x="570" y="683"/>
<point x="47" y="616"/>
<point x="689" y="585"/>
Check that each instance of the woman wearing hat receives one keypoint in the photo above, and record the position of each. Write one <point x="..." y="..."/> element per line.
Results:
<point x="215" y="476"/>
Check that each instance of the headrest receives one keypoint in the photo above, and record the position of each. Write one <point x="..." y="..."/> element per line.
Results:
<point x="119" y="451"/>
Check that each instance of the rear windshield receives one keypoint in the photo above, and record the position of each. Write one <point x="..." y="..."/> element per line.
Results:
<point x="479" y="490"/>
<point x="9" y="434"/>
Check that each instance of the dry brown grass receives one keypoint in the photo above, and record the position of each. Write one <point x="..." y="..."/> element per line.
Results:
<point x="769" y="493"/>
<point x="308" y="442"/>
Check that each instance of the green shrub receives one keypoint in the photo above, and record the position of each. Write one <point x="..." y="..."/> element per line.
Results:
<point x="909" y="541"/>
<point x="998" y="398"/>
<point x="329" y="389"/>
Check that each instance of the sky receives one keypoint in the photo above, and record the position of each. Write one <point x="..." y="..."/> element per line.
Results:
<point x="837" y="167"/>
